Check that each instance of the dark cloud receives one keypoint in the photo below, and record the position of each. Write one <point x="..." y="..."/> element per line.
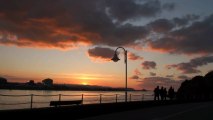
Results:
<point x="68" y="24"/>
<point x="185" y="19"/>
<point x="169" y="76"/>
<point x="191" y="66"/>
<point x="133" y="56"/>
<point x="152" y="74"/>
<point x="123" y="10"/>
<point x="194" y="39"/>
<point x="161" y="25"/>
<point x="101" y="54"/>
<point x="135" y="77"/>
<point x="183" y="77"/>
<point x="169" y="6"/>
<point x="148" y="65"/>
<point x="151" y="82"/>
<point x="185" y="68"/>
<point x="165" y="25"/>
<point x="106" y="54"/>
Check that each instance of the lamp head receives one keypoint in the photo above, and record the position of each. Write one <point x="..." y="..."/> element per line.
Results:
<point x="115" y="58"/>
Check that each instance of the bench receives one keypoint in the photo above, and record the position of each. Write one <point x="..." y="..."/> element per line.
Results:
<point x="59" y="103"/>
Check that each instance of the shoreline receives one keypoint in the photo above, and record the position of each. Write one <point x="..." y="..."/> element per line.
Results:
<point x="77" y="90"/>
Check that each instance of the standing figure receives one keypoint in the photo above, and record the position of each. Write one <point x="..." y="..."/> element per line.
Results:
<point x="156" y="93"/>
<point x="171" y="93"/>
<point x="162" y="93"/>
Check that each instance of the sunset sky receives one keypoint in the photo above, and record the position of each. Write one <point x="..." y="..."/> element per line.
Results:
<point x="72" y="41"/>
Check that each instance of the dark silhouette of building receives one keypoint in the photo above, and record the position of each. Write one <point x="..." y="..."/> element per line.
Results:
<point x="47" y="82"/>
<point x="31" y="82"/>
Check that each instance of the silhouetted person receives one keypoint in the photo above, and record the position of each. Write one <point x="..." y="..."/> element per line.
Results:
<point x="162" y="93"/>
<point x="171" y="93"/>
<point x="156" y="93"/>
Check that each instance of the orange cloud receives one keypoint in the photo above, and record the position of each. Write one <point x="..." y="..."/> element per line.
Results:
<point x="137" y="72"/>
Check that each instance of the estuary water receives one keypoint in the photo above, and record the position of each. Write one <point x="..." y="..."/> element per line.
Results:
<point x="25" y="99"/>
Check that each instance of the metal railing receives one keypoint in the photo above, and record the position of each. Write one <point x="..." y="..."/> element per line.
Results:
<point x="86" y="98"/>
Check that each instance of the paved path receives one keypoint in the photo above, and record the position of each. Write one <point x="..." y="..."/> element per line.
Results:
<point x="190" y="111"/>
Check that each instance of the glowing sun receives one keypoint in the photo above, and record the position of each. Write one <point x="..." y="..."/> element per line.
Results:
<point x="84" y="83"/>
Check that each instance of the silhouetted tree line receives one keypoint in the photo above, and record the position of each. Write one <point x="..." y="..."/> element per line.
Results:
<point x="198" y="88"/>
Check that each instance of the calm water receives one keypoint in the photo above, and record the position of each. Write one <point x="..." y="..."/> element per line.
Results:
<point x="41" y="98"/>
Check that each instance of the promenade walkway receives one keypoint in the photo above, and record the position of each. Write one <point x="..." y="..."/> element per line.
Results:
<point x="146" y="110"/>
<point x="189" y="111"/>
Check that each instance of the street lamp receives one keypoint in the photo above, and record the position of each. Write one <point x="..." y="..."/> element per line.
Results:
<point x="116" y="59"/>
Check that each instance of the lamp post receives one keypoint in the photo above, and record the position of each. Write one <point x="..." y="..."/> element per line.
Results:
<point x="116" y="59"/>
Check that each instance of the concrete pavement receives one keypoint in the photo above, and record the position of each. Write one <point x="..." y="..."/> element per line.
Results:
<point x="189" y="111"/>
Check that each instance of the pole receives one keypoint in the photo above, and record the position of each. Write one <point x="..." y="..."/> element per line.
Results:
<point x="31" y="101"/>
<point x="142" y="97"/>
<point x="126" y="75"/>
<point x="116" y="98"/>
<point x="82" y="98"/>
<point x="115" y="59"/>
<point x="59" y="97"/>
<point x="130" y="97"/>
<point x="100" y="98"/>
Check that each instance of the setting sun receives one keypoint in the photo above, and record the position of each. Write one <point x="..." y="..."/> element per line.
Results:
<point x="84" y="83"/>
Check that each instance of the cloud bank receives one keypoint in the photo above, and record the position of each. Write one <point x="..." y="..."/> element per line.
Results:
<point x="191" y="66"/>
<point x="67" y="24"/>
<point x="192" y="39"/>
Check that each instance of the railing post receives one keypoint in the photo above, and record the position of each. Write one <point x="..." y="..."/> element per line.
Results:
<point x="100" y="98"/>
<point x="142" y="97"/>
<point x="82" y="98"/>
<point x="130" y="97"/>
<point x="59" y="97"/>
<point x="116" y="98"/>
<point x="31" y="101"/>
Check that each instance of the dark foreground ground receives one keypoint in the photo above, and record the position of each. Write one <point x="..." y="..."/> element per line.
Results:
<point x="146" y="110"/>
<point x="190" y="111"/>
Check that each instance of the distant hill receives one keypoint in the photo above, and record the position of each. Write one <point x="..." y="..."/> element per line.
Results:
<point x="40" y="86"/>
